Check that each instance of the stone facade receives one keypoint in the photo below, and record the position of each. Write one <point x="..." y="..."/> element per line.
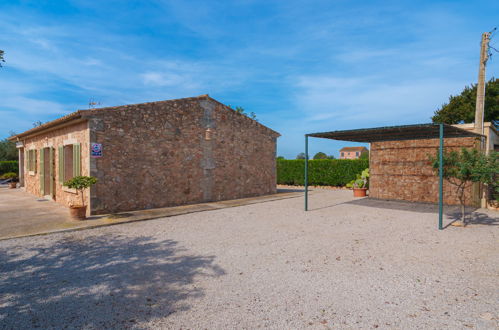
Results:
<point x="402" y="170"/>
<point x="169" y="153"/>
<point x="74" y="133"/>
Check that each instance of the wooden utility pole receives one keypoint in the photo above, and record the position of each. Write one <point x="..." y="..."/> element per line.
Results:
<point x="480" y="89"/>
<point x="478" y="191"/>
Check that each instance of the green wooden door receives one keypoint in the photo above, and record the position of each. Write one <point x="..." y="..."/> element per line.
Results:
<point x="51" y="171"/>
<point x="41" y="173"/>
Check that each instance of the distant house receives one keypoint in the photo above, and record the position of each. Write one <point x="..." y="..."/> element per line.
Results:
<point x="352" y="152"/>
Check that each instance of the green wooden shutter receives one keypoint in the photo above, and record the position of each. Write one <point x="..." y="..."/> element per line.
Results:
<point x="30" y="167"/>
<point x="76" y="160"/>
<point x="42" y="177"/>
<point x="51" y="169"/>
<point x="34" y="160"/>
<point x="26" y="160"/>
<point x="60" y="166"/>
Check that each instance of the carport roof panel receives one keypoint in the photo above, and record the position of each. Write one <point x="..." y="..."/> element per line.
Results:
<point x="395" y="133"/>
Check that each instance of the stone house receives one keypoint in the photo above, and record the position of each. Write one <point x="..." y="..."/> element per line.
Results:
<point x="150" y="155"/>
<point x="352" y="152"/>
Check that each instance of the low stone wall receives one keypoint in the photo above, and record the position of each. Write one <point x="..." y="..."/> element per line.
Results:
<point x="402" y="170"/>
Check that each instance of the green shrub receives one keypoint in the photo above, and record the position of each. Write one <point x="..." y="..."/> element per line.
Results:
<point x="9" y="175"/>
<point x="9" y="166"/>
<point x="321" y="172"/>
<point x="80" y="183"/>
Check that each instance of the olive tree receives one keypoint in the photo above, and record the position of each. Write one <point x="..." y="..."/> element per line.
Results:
<point x="463" y="168"/>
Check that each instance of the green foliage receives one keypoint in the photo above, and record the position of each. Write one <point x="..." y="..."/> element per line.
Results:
<point x="461" y="108"/>
<point x="280" y="157"/>
<point x="1" y="57"/>
<point x="467" y="166"/>
<point x="320" y="155"/>
<point x="8" y="150"/>
<point x="362" y="180"/>
<point x="322" y="172"/>
<point x="9" y="166"/>
<point x="364" y="155"/>
<point x="301" y="155"/>
<point x="10" y="175"/>
<point x="80" y="182"/>
<point x="241" y="110"/>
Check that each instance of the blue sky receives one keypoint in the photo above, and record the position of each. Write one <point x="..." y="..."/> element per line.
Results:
<point x="301" y="66"/>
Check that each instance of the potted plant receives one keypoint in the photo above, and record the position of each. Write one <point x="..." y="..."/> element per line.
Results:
<point x="80" y="183"/>
<point x="13" y="179"/>
<point x="360" y="184"/>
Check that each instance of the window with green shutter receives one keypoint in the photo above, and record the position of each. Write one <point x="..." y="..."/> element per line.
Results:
<point x="31" y="160"/>
<point x="70" y="163"/>
<point x="42" y="173"/>
<point x="76" y="159"/>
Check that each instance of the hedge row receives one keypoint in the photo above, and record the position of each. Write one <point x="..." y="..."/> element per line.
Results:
<point x="321" y="172"/>
<point x="8" y="166"/>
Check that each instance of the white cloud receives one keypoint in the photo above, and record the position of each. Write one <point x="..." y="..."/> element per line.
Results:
<point x="361" y="101"/>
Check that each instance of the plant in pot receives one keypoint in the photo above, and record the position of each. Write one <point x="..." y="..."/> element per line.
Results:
<point x="360" y="184"/>
<point x="80" y="183"/>
<point x="13" y="179"/>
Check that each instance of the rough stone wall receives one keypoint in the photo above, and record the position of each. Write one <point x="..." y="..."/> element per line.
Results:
<point x="401" y="170"/>
<point x="243" y="155"/>
<point x="157" y="155"/>
<point x="77" y="133"/>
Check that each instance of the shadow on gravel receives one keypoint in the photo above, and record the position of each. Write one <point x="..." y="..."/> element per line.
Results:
<point x="403" y="205"/>
<point x="474" y="217"/>
<point x="452" y="212"/>
<point x="98" y="282"/>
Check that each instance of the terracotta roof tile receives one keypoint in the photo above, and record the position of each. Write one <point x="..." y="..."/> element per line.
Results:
<point x="354" y="149"/>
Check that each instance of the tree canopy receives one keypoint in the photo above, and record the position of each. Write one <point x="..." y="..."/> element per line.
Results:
<point x="461" y="108"/>
<point x="241" y="110"/>
<point x="467" y="166"/>
<point x="301" y="155"/>
<point x="8" y="150"/>
<point x="320" y="155"/>
<point x="1" y="57"/>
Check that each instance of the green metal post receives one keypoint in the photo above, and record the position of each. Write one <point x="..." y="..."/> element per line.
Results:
<point x="441" y="178"/>
<point x="306" y="172"/>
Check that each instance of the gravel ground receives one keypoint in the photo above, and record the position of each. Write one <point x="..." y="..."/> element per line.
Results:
<point x="344" y="265"/>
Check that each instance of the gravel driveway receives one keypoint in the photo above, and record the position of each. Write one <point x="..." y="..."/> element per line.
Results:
<point x="344" y="265"/>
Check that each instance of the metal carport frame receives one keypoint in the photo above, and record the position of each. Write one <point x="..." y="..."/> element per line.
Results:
<point x="396" y="133"/>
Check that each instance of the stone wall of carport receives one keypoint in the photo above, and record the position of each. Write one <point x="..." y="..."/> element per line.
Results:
<point x="157" y="155"/>
<point x="402" y="170"/>
<point x="76" y="133"/>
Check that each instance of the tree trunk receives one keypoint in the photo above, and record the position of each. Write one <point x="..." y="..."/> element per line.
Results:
<point x="82" y="200"/>
<point x="462" y="201"/>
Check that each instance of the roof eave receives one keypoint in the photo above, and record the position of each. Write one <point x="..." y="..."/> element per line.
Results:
<point x="46" y="126"/>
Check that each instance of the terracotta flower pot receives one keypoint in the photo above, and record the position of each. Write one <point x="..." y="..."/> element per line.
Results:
<point x="13" y="185"/>
<point x="78" y="212"/>
<point x="359" y="192"/>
